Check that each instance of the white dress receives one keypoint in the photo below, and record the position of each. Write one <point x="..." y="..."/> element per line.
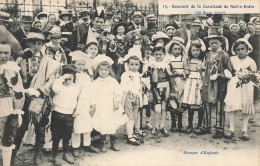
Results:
<point x="83" y="122"/>
<point x="105" y="92"/>
<point x="240" y="98"/>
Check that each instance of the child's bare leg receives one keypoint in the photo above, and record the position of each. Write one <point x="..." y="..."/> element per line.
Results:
<point x="245" y="118"/>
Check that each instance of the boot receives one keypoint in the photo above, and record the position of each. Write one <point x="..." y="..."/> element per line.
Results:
<point x="173" y="128"/>
<point x="113" y="143"/>
<point x="55" y="158"/>
<point x="190" y="121"/>
<point x="37" y="159"/>
<point x="66" y="157"/>
<point x="200" y="118"/>
<point x="103" y="144"/>
<point x="180" y="126"/>
<point x="14" y="152"/>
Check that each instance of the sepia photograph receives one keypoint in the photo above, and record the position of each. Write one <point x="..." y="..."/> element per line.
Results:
<point x="129" y="83"/>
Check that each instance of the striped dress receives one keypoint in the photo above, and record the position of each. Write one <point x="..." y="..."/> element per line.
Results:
<point x="192" y="87"/>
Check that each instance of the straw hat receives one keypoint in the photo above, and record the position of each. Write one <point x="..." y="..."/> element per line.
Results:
<point x="42" y="14"/>
<point x="5" y="17"/>
<point x="66" y="12"/>
<point x="26" y="19"/>
<point x="34" y="36"/>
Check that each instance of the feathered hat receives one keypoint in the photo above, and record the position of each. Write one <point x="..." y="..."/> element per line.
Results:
<point x="160" y="35"/>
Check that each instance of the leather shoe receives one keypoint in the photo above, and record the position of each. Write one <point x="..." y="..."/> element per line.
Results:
<point x="229" y="134"/>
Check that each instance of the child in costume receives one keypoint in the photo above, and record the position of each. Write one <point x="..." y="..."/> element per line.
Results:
<point x="160" y="88"/>
<point x="241" y="97"/>
<point x="106" y="101"/>
<point x="117" y="48"/>
<point x="177" y="70"/>
<point x="215" y="82"/>
<point x="192" y="89"/>
<point x="11" y="101"/>
<point x="131" y="85"/>
<point x="146" y="77"/>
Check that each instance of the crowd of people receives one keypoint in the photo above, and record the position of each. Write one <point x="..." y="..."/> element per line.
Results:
<point x="79" y="80"/>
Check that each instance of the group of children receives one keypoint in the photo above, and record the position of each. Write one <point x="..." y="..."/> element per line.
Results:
<point x="87" y="96"/>
<point x="170" y="79"/>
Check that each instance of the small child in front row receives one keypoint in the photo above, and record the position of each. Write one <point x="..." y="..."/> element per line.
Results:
<point x="83" y="122"/>
<point x="106" y="100"/>
<point x="65" y="100"/>
<point x="146" y="76"/>
<point x="160" y="88"/>
<point x="192" y="89"/>
<point x="177" y="70"/>
<point x="242" y="97"/>
<point x="131" y="86"/>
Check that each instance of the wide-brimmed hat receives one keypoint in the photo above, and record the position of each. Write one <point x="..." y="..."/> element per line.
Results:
<point x="5" y="17"/>
<point x="175" y="40"/>
<point x="42" y="14"/>
<point x="55" y="35"/>
<point x="241" y="22"/>
<point x="102" y="58"/>
<point x="250" y="48"/>
<point x="188" y="17"/>
<point x="79" y="55"/>
<point x="137" y="13"/>
<point x="151" y="17"/>
<point x="132" y="52"/>
<point x="215" y="32"/>
<point x="118" y="25"/>
<point x="85" y="12"/>
<point x="196" y="23"/>
<point x="171" y="26"/>
<point x="34" y="36"/>
<point x="65" y="12"/>
<point x="160" y="35"/>
<point x="26" y="19"/>
<point x="234" y="25"/>
<point x="252" y="19"/>
<point x="208" y="23"/>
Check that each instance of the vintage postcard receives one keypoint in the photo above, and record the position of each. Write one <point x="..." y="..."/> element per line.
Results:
<point x="129" y="82"/>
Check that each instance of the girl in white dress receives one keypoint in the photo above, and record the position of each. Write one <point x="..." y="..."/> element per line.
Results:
<point x="242" y="97"/>
<point x="106" y="96"/>
<point x="83" y="122"/>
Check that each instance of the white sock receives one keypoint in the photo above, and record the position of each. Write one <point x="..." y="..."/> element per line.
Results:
<point x="75" y="140"/>
<point x="232" y="117"/>
<point x="129" y="128"/>
<point x="163" y="118"/>
<point x="6" y="155"/>
<point x="245" y="118"/>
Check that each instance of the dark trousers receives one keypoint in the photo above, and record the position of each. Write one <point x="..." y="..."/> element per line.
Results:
<point x="220" y="115"/>
<point x="8" y="128"/>
<point x="40" y="122"/>
<point x="61" y="128"/>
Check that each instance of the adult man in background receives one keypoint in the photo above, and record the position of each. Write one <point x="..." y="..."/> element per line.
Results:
<point x="16" y="49"/>
<point x="22" y="32"/>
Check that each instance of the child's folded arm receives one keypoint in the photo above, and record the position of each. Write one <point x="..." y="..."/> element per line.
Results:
<point x="57" y="85"/>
